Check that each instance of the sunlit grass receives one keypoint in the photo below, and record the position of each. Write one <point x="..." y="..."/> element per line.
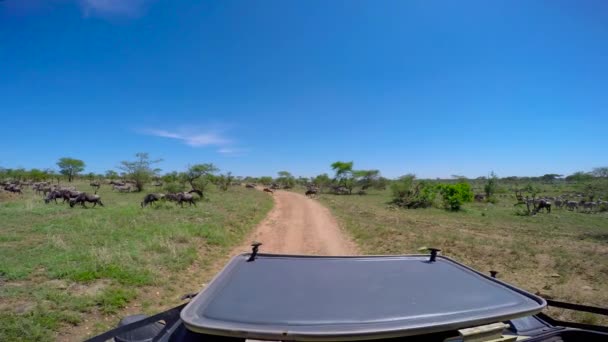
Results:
<point x="61" y="264"/>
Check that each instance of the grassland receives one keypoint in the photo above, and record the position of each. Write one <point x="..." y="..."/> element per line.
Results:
<point x="65" y="273"/>
<point x="562" y="255"/>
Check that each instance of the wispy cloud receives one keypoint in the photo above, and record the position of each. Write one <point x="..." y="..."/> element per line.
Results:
<point x="105" y="8"/>
<point x="231" y="151"/>
<point x="195" y="139"/>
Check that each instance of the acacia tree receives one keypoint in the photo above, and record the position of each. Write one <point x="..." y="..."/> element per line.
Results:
<point x="111" y="174"/>
<point x="600" y="172"/>
<point x="344" y="174"/>
<point x="322" y="181"/>
<point x="199" y="176"/>
<point x="366" y="178"/>
<point x="139" y="170"/>
<point x="286" y="180"/>
<point x="70" y="167"/>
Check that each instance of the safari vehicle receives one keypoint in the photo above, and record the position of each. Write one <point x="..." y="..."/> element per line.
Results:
<point x="387" y="298"/>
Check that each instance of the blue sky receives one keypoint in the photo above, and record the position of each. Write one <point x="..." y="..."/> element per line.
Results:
<point x="428" y="87"/>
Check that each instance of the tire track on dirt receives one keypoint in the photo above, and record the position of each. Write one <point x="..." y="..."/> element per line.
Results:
<point x="299" y="225"/>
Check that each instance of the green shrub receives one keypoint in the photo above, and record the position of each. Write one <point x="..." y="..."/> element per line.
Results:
<point x="174" y="187"/>
<point x="411" y="194"/>
<point x="455" y="195"/>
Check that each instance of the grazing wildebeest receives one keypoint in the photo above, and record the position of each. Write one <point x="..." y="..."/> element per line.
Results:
<point x="84" y="197"/>
<point x="543" y="204"/>
<point x="66" y="195"/>
<point x="185" y="197"/>
<point x="180" y="198"/>
<point x="122" y="188"/>
<point x="14" y="188"/>
<point x="53" y="196"/>
<point x="268" y="190"/>
<point x="311" y="192"/>
<point x="588" y="206"/>
<point x="480" y="197"/>
<point x="250" y="186"/>
<point x="95" y="185"/>
<point x="151" y="198"/>
<point x="571" y="205"/>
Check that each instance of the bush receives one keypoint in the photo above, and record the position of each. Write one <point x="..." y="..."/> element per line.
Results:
<point x="455" y="195"/>
<point x="174" y="187"/>
<point x="411" y="194"/>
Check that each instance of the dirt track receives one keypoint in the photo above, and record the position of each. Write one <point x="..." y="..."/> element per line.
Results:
<point x="299" y="225"/>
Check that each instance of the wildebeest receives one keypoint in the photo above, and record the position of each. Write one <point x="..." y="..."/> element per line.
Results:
<point x="151" y="198"/>
<point x="571" y="205"/>
<point x="311" y="192"/>
<point x="480" y="197"/>
<point x="180" y="198"/>
<point x="588" y="206"/>
<point x="122" y="188"/>
<point x="268" y="190"/>
<point x="64" y="194"/>
<point x="84" y="197"/>
<point x="250" y="186"/>
<point x="95" y="185"/>
<point x="543" y="204"/>
<point x="14" y="188"/>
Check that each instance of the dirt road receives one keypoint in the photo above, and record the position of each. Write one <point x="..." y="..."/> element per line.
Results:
<point x="299" y="225"/>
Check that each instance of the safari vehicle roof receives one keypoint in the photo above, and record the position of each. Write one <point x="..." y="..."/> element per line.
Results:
<point x="285" y="297"/>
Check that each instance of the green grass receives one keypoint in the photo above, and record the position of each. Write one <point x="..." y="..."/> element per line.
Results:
<point x="562" y="255"/>
<point x="62" y="265"/>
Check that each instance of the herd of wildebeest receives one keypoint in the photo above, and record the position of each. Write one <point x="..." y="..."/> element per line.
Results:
<point x="571" y="201"/>
<point x="69" y="194"/>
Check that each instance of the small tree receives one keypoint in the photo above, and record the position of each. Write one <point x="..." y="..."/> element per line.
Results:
<point x="455" y="195"/>
<point x="344" y="174"/>
<point x="70" y="167"/>
<point x="411" y="194"/>
<point x="224" y="181"/>
<point x="600" y="172"/>
<point x="367" y="178"/>
<point x="265" y="180"/>
<point x="286" y="180"/>
<point x="199" y="176"/>
<point x="174" y="187"/>
<point x="491" y="185"/>
<point x="139" y="170"/>
<point x="580" y="176"/>
<point x="322" y="181"/>
<point x="111" y="174"/>
<point x="37" y="175"/>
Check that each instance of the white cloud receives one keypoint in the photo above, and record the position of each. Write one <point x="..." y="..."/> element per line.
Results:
<point x="195" y="139"/>
<point x="231" y="151"/>
<point x="112" y="7"/>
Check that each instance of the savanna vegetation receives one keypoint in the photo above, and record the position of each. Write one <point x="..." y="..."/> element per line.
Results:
<point x="71" y="269"/>
<point x="70" y="272"/>
<point x="560" y="254"/>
